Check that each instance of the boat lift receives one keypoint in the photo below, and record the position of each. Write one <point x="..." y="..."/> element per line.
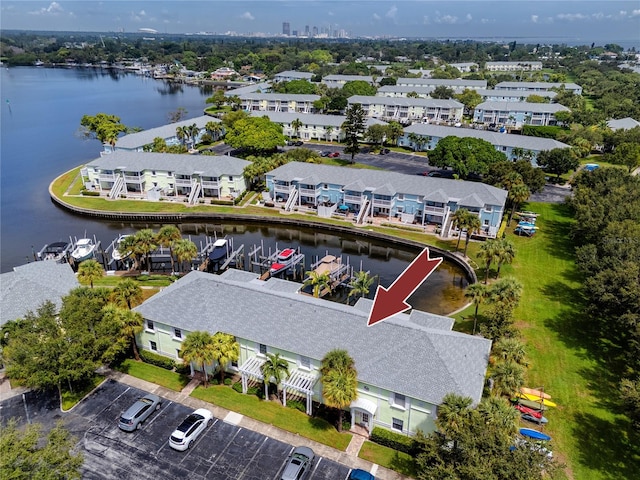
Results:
<point x="340" y="272"/>
<point x="264" y="262"/>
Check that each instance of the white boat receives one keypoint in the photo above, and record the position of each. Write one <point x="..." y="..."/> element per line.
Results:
<point x="85" y="248"/>
<point x="116" y="254"/>
<point x="283" y="261"/>
<point x="56" y="251"/>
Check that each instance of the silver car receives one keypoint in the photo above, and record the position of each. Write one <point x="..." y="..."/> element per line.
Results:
<point x="137" y="413"/>
<point x="299" y="463"/>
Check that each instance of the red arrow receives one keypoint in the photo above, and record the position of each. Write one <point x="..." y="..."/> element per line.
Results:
<point x="392" y="300"/>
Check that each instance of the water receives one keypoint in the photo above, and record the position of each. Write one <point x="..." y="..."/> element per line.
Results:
<point x="41" y="112"/>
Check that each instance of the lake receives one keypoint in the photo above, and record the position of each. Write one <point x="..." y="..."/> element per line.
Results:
<point x="41" y="112"/>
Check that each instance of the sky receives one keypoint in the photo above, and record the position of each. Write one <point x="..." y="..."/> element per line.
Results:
<point x="583" y="21"/>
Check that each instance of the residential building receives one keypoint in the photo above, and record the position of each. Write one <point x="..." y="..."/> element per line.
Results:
<point x="411" y="199"/>
<point x="456" y="84"/>
<point x="403" y="91"/>
<point x="278" y="102"/>
<point x="314" y="125"/>
<point x="490" y="95"/>
<point x="403" y="109"/>
<point x="520" y="66"/>
<point x="338" y="81"/>
<point x="292" y="75"/>
<point x="262" y="87"/>
<point x="155" y="176"/>
<point x="517" y="114"/>
<point x="623" y="124"/>
<point x="224" y="73"/>
<point x="513" y="146"/>
<point x="135" y="142"/>
<point x="465" y="67"/>
<point x="538" y="86"/>
<point x="27" y="287"/>
<point x="406" y="364"/>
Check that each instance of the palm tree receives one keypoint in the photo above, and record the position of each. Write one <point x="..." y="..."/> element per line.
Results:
<point x="319" y="281"/>
<point x="226" y="349"/>
<point x="182" y="133"/>
<point x="185" y="251"/>
<point x="472" y="225"/>
<point x="328" y="131"/>
<point x="505" y="253"/>
<point x="215" y="129"/>
<point x="339" y="381"/>
<point x="518" y="193"/>
<point x="478" y="293"/>
<point x="198" y="348"/>
<point x="144" y="244"/>
<point x="499" y="413"/>
<point x="194" y="131"/>
<point x="127" y="293"/>
<point x="89" y="271"/>
<point x="296" y="125"/>
<point x="394" y="132"/>
<point x="167" y="236"/>
<point x="506" y="293"/>
<point x="274" y="370"/>
<point x="454" y="414"/>
<point x="360" y="284"/>
<point x="458" y="220"/>
<point x="488" y="254"/>
<point x="508" y="378"/>
<point x="509" y="349"/>
<point x="126" y="247"/>
<point x="413" y="138"/>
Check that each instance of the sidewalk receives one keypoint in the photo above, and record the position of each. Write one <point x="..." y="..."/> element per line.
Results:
<point x="348" y="457"/>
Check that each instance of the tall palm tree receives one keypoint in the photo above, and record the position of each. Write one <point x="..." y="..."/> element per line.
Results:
<point x="394" y="132"/>
<point x="518" y="193"/>
<point x="508" y="378"/>
<point x="454" y="414"/>
<point x="185" y="251"/>
<point x="487" y="254"/>
<point x="296" y="125"/>
<point x="226" y="349"/>
<point x="319" y="281"/>
<point x="339" y="389"/>
<point x="215" y="129"/>
<point x="505" y="293"/>
<point x="144" y="244"/>
<point x="361" y="284"/>
<point x="182" y="133"/>
<point x="509" y="349"/>
<point x="478" y="293"/>
<point x="167" y="236"/>
<point x="499" y="413"/>
<point x="505" y="253"/>
<point x="472" y="225"/>
<point x="127" y="247"/>
<point x="127" y="293"/>
<point x="458" y="220"/>
<point x="274" y="370"/>
<point x="335" y="359"/>
<point x="89" y="271"/>
<point x="194" y="131"/>
<point x="198" y="348"/>
<point x="328" y="130"/>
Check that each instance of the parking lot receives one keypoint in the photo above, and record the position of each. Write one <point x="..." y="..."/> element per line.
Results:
<point x="223" y="451"/>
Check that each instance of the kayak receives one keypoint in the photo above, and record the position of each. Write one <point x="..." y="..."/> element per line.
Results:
<point x="539" y="420"/>
<point x="534" y="434"/>
<point x="530" y="404"/>
<point x="528" y="411"/>
<point x="536" y="393"/>
<point x="533" y="398"/>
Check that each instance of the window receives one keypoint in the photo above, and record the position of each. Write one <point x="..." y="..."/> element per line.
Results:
<point x="397" y="424"/>
<point x="153" y="172"/>
<point x="150" y="325"/>
<point x="486" y="223"/>
<point x="178" y="354"/>
<point x="153" y="345"/>
<point x="365" y="418"/>
<point x="177" y="333"/>
<point x="262" y="348"/>
<point x="230" y="178"/>
<point x="400" y="197"/>
<point x="305" y="362"/>
<point x="398" y="400"/>
<point x="169" y="174"/>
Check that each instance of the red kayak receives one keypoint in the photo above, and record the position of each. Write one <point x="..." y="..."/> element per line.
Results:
<point x="529" y="411"/>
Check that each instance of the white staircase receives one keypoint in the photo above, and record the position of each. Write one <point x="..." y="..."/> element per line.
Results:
<point x="364" y="211"/>
<point x="195" y="192"/>
<point x="118" y="185"/>
<point x="293" y="197"/>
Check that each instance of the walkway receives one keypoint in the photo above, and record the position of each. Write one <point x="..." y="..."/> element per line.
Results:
<point x="349" y="457"/>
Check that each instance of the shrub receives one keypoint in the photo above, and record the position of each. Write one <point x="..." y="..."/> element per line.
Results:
<point x="90" y="193"/>
<point x="237" y="387"/>
<point x="397" y="441"/>
<point x="183" y="369"/>
<point x="215" y="201"/>
<point x="298" y="405"/>
<point x="228" y="381"/>
<point x="157" y="360"/>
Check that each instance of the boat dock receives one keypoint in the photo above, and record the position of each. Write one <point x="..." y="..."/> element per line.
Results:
<point x="264" y="263"/>
<point x="218" y="254"/>
<point x="338" y="271"/>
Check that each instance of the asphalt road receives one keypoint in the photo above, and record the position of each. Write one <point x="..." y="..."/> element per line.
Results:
<point x="223" y="451"/>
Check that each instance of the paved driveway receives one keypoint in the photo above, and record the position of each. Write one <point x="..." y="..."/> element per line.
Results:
<point x="223" y="451"/>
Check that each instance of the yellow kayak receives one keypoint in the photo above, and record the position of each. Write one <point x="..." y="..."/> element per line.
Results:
<point x="544" y="401"/>
<point x="537" y="393"/>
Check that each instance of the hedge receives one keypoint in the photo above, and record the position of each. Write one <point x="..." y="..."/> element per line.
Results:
<point x="157" y="360"/>
<point x="544" y="131"/>
<point x="90" y="193"/>
<point x="397" y="441"/>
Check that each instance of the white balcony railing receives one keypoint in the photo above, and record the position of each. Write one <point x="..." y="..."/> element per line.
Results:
<point x="133" y="178"/>
<point x="309" y="192"/>
<point x="430" y="209"/>
<point x="210" y="184"/>
<point x="183" y="182"/>
<point x="107" y="177"/>
<point x="352" y="198"/>
<point x="381" y="203"/>
<point x="283" y="188"/>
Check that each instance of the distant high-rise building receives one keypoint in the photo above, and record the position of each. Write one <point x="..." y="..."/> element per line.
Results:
<point x="306" y="30"/>
<point x="286" y="28"/>
<point x="315" y="31"/>
<point x="294" y="33"/>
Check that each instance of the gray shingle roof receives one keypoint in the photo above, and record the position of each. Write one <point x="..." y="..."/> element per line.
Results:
<point x="494" y="138"/>
<point x="454" y="82"/>
<point x="295" y="74"/>
<point x="348" y="78"/>
<point x="256" y="87"/>
<point x="623" y="123"/>
<point x="398" y="354"/>
<point x="209" y="165"/>
<point x="523" y="107"/>
<point x="29" y="286"/>
<point x="390" y="181"/>
<point x="139" y="139"/>
<point x="514" y="93"/>
<point x="404" y="89"/>
<point x="405" y="102"/>
<point x="536" y="85"/>
<point x="309" y="118"/>
<point x="282" y="97"/>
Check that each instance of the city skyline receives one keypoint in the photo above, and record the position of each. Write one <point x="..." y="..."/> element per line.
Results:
<point x="577" y="21"/>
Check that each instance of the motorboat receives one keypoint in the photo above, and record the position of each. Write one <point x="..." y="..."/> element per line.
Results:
<point x="284" y="260"/>
<point x="116" y="254"/>
<point x="219" y="250"/>
<point x="56" y="251"/>
<point x="85" y="249"/>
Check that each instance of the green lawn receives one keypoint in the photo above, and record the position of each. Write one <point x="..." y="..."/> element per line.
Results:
<point x="275" y="414"/>
<point x="589" y="434"/>
<point x="153" y="374"/>
<point x="388" y="457"/>
<point x="69" y="399"/>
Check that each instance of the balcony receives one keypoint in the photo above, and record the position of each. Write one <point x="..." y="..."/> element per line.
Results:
<point x="381" y="203"/>
<point x="107" y="177"/>
<point x="133" y="178"/>
<point x="431" y="210"/>
<point x="353" y="199"/>
<point x="183" y="182"/>
<point x="210" y="184"/>
<point x="283" y="188"/>
<point x="309" y="192"/>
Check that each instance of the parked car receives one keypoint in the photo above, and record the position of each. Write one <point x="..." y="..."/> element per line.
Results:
<point x="298" y="464"/>
<point x="190" y="429"/>
<point x="295" y="143"/>
<point x="132" y="418"/>
<point x="325" y="153"/>
<point x="434" y="174"/>
<point x="334" y="155"/>
<point x="384" y="151"/>
<point x="358" y="474"/>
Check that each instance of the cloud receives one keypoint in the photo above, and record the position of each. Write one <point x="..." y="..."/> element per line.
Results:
<point x="572" y="17"/>
<point x="376" y="16"/>
<point x="468" y="18"/>
<point x="635" y="13"/>
<point x="392" y="12"/>
<point x="534" y="18"/>
<point x="247" y="16"/>
<point x="449" y="19"/>
<point x="426" y="20"/>
<point x="484" y="21"/>
<point x="54" y="8"/>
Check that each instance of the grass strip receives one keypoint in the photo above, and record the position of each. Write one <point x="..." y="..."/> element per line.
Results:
<point x="388" y="457"/>
<point x="71" y="398"/>
<point x="153" y="374"/>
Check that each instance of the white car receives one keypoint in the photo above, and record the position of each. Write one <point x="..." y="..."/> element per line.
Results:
<point x="190" y="429"/>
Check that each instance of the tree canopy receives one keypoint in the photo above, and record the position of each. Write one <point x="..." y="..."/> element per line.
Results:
<point x="257" y="135"/>
<point x="103" y="126"/>
<point x="465" y="155"/>
<point x="558" y="161"/>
